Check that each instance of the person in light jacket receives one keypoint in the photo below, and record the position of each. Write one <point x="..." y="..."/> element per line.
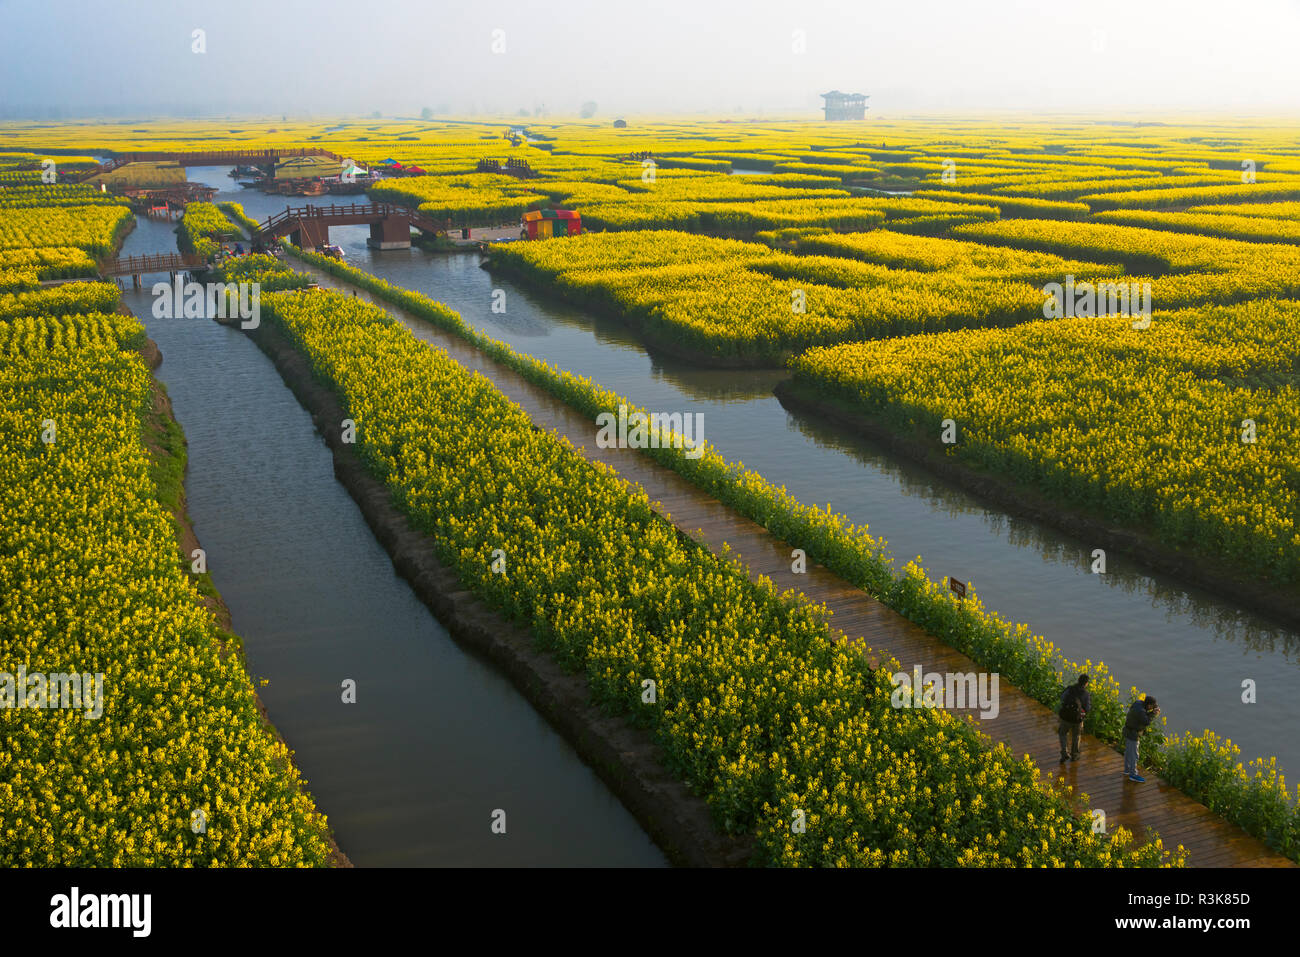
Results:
<point x="1140" y="714"/>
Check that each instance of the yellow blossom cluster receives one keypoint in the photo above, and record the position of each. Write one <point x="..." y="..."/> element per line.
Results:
<point x="91" y="583"/>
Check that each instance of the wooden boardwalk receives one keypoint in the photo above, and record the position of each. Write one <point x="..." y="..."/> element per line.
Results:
<point x="1024" y="725"/>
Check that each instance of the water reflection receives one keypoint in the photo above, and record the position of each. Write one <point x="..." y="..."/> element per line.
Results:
<point x="438" y="738"/>
<point x="1181" y="603"/>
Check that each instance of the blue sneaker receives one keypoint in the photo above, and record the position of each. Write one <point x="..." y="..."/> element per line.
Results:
<point x="1138" y="778"/>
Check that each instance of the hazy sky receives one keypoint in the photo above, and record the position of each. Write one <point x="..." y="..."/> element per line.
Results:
<point x="335" y="57"/>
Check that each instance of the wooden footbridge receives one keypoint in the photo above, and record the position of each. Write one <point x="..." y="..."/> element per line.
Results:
<point x="137" y="266"/>
<point x="1022" y="723"/>
<point x="308" y="226"/>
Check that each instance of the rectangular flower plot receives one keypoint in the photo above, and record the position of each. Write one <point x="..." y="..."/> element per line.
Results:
<point x="1187" y="427"/>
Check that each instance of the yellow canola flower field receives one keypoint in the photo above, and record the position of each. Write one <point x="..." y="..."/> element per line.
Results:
<point x="1226" y="222"/>
<point x="49" y="262"/>
<point x="1153" y="248"/>
<point x="1270" y="210"/>
<point x="202" y="229"/>
<point x="1188" y="269"/>
<point x="745" y="218"/>
<point x="1187" y="427"/>
<point x="744" y="303"/>
<point x="60" y="300"/>
<point x="1063" y="186"/>
<point x="13" y="197"/>
<point x="470" y="199"/>
<point x="968" y="259"/>
<point x="94" y="229"/>
<point x="1287" y="188"/>
<point x="91" y="582"/>
<point x="757" y="707"/>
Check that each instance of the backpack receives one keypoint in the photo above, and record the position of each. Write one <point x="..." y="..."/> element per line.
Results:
<point x="1070" y="710"/>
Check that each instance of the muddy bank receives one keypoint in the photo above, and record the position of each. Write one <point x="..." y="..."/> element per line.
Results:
<point x="165" y="441"/>
<point x="1098" y="531"/>
<point x="627" y="759"/>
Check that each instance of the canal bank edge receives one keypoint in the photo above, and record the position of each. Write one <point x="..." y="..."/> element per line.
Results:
<point x="1197" y="570"/>
<point x="625" y="758"/>
<point x="165" y="442"/>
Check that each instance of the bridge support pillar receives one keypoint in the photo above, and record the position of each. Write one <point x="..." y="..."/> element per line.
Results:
<point x="135" y="281"/>
<point x="393" y="232"/>
<point x="310" y="236"/>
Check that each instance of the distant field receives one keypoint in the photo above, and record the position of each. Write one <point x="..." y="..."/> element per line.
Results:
<point x="304" y="167"/>
<point x="143" y="174"/>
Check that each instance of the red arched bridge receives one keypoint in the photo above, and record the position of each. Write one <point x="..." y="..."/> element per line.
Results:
<point x="308" y="227"/>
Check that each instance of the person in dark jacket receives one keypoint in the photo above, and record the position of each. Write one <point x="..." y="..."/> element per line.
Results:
<point x="1073" y="708"/>
<point x="1140" y="714"/>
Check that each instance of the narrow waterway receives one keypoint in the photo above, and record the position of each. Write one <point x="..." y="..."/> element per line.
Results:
<point x="1189" y="648"/>
<point x="437" y="740"/>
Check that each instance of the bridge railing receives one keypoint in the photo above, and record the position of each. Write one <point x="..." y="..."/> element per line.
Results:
<point x="350" y="211"/>
<point x="377" y="210"/>
<point x="137" y="265"/>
